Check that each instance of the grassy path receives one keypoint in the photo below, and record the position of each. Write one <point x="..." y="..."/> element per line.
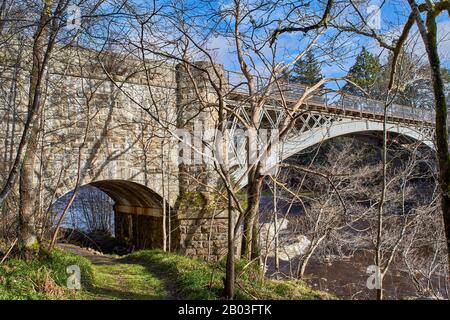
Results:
<point x="154" y="274"/>
<point x="145" y="274"/>
<point x="125" y="282"/>
<point x="115" y="279"/>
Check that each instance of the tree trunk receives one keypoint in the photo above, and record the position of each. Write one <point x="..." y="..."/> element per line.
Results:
<point x="230" y="272"/>
<point x="163" y="191"/>
<point x="256" y="250"/>
<point x="304" y="263"/>
<point x="40" y="60"/>
<point x="253" y="198"/>
<point x="275" y="228"/>
<point x="27" y="239"/>
<point x="428" y="33"/>
<point x="379" y="238"/>
<point x="441" y="129"/>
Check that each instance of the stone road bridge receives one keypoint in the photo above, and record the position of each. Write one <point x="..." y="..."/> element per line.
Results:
<point x="98" y="112"/>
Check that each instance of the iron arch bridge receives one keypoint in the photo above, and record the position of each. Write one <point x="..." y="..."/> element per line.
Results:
<point x="319" y="121"/>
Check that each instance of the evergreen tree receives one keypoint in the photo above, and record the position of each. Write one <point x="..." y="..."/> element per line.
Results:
<point x="306" y="71"/>
<point x="365" y="73"/>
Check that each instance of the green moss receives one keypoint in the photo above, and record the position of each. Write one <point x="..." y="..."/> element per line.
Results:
<point x="209" y="202"/>
<point x="204" y="203"/>
<point x="34" y="246"/>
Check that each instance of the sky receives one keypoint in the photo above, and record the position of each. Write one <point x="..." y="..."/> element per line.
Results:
<point x="336" y="63"/>
<point x="391" y="18"/>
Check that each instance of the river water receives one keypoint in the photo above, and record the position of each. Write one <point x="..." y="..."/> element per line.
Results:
<point x="346" y="277"/>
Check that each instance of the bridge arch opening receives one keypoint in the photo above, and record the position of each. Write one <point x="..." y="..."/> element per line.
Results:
<point x="306" y="205"/>
<point x="127" y="213"/>
<point x="300" y="142"/>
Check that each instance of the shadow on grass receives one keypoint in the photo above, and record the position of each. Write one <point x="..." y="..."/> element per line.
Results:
<point x="101" y="293"/>
<point x="184" y="278"/>
<point x="161" y="272"/>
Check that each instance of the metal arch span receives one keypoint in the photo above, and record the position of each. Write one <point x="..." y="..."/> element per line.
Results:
<point x="339" y="127"/>
<point x="346" y="126"/>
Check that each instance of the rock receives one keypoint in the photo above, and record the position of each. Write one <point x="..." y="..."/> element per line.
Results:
<point x="293" y="247"/>
<point x="290" y="245"/>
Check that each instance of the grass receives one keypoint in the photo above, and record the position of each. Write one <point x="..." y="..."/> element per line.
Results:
<point x="44" y="277"/>
<point x="147" y="274"/>
<point x="123" y="281"/>
<point x="198" y="280"/>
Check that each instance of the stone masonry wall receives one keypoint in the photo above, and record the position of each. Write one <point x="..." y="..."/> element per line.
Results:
<point x="205" y="238"/>
<point x="87" y="115"/>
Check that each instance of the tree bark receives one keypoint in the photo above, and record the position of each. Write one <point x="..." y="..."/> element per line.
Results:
<point x="441" y="130"/>
<point x="249" y="244"/>
<point x="230" y="275"/>
<point x="275" y="228"/>
<point x="27" y="238"/>
<point x="379" y="238"/>
<point x="428" y="33"/>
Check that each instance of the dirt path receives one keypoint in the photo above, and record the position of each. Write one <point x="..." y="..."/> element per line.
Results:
<point x="118" y="279"/>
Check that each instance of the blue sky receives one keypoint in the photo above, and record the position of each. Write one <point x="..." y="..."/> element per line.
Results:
<point x="392" y="17"/>
<point x="393" y="14"/>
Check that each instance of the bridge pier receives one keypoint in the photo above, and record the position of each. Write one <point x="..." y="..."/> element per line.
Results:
<point x="201" y="214"/>
<point x="204" y="237"/>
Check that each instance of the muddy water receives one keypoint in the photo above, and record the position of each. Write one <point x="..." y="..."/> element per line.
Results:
<point x="347" y="278"/>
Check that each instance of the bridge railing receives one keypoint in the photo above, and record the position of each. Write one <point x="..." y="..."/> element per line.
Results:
<point x="377" y="107"/>
<point x="290" y="91"/>
<point x="293" y="91"/>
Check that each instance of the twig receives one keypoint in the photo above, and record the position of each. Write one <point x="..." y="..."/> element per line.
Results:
<point x="9" y="251"/>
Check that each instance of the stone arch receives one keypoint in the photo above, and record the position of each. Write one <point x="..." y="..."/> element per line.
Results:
<point x="138" y="212"/>
<point x="129" y="193"/>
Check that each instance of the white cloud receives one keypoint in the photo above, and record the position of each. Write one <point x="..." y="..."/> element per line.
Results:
<point x="222" y="51"/>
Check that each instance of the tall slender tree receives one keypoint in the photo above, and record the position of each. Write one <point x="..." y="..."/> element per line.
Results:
<point x="43" y="43"/>
<point x="428" y="31"/>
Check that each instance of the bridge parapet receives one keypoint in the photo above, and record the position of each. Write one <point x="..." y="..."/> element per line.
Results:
<point x="292" y="92"/>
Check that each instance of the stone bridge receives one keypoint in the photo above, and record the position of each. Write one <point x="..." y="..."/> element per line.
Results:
<point x="112" y="122"/>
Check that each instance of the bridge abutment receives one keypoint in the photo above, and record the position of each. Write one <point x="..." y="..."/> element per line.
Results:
<point x="141" y="227"/>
